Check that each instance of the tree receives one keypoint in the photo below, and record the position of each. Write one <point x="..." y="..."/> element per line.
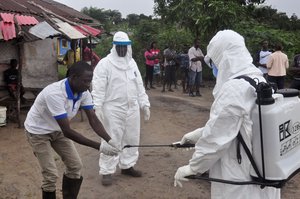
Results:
<point x="200" y="16"/>
<point x="106" y="17"/>
<point x="249" y="2"/>
<point x="95" y="13"/>
<point x="180" y="21"/>
<point x="133" y="19"/>
<point x="115" y="17"/>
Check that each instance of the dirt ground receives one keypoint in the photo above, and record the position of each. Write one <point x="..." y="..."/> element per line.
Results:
<point x="172" y="115"/>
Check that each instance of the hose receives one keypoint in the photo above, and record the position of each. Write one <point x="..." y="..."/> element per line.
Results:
<point x="276" y="184"/>
<point x="174" y="145"/>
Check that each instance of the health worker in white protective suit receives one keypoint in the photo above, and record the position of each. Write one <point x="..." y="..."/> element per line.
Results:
<point x="216" y="142"/>
<point x="118" y="95"/>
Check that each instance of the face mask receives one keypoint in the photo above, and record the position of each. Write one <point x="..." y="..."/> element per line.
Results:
<point x="121" y="50"/>
<point x="214" y="69"/>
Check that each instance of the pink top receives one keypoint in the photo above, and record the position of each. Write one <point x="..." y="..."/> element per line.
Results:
<point x="148" y="54"/>
<point x="155" y="52"/>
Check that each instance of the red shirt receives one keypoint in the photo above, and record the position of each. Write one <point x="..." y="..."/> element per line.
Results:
<point x="87" y="56"/>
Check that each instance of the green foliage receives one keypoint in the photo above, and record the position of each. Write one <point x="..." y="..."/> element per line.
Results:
<point x="177" y="36"/>
<point x="201" y="17"/>
<point x="271" y="17"/>
<point x="146" y="32"/>
<point x="62" y="71"/>
<point x="181" y="21"/>
<point x="103" y="48"/>
<point x="133" y="20"/>
<point x="149" y="31"/>
<point x="255" y="33"/>
<point x="108" y="18"/>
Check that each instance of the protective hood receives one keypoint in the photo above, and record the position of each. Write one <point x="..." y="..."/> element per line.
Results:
<point x="123" y="63"/>
<point x="228" y="51"/>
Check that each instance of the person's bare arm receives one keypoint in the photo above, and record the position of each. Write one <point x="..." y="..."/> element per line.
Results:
<point x="96" y="124"/>
<point x="75" y="136"/>
<point x="151" y="57"/>
<point x="198" y="58"/>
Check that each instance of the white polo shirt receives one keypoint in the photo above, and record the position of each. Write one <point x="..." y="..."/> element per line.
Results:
<point x="54" y="102"/>
<point x="193" y="53"/>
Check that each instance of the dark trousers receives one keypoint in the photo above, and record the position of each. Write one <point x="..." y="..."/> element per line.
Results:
<point x="295" y="84"/>
<point x="170" y="74"/>
<point x="149" y="75"/>
<point x="278" y="80"/>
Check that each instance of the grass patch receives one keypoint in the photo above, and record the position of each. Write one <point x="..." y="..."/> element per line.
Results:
<point x="62" y="71"/>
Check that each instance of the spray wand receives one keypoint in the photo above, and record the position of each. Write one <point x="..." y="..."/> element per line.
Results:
<point x="174" y="145"/>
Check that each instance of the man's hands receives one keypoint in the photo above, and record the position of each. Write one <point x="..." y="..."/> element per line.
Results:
<point x="181" y="173"/>
<point x="146" y="113"/>
<point x="110" y="148"/>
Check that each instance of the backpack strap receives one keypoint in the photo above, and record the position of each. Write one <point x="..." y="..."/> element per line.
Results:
<point x="249" y="154"/>
<point x="240" y="139"/>
<point x="248" y="79"/>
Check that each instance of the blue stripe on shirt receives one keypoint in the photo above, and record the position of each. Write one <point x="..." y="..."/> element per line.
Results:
<point x="65" y="115"/>
<point x="88" y="107"/>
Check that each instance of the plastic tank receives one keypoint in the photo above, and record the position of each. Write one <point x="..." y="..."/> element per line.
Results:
<point x="281" y="136"/>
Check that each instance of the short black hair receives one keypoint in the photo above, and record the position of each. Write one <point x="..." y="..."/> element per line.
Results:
<point x="278" y="46"/>
<point x="13" y="62"/>
<point x="78" y="68"/>
<point x="152" y="44"/>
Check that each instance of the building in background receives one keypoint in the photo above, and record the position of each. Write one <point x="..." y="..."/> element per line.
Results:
<point x="35" y="32"/>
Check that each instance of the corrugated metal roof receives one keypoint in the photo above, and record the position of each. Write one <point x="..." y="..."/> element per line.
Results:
<point x="43" y="30"/>
<point x="70" y="31"/>
<point x="87" y="30"/>
<point x="28" y="36"/>
<point x="37" y="7"/>
<point x="31" y="12"/>
<point x="8" y="30"/>
<point x="7" y="17"/>
<point x="26" y="20"/>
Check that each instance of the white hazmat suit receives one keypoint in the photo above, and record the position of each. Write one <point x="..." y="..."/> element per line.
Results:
<point x="216" y="142"/>
<point x="118" y="95"/>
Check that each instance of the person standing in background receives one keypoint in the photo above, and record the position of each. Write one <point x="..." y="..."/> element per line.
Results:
<point x="156" y="68"/>
<point x="195" y="73"/>
<point x="73" y="54"/>
<point x="184" y="63"/>
<point x="170" y="59"/>
<point x="119" y="94"/>
<point x="262" y="58"/>
<point x="88" y="55"/>
<point x="295" y="72"/>
<point x="149" y="57"/>
<point x="10" y="77"/>
<point x="277" y="65"/>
